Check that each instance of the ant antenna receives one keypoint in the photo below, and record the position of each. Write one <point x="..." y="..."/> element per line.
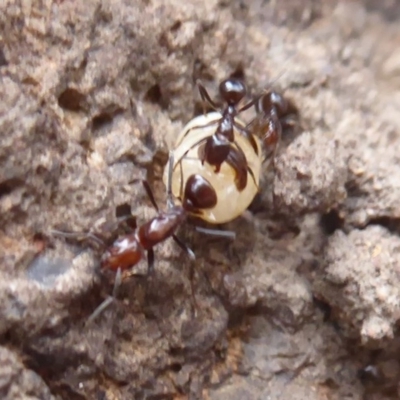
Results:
<point x="108" y="301"/>
<point x="217" y="232"/>
<point x="205" y="97"/>
<point x="281" y="73"/>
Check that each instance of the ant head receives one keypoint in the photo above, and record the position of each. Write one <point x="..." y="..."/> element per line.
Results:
<point x="232" y="91"/>
<point x="274" y="100"/>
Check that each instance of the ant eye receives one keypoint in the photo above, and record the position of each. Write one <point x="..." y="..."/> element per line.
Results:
<point x="232" y="90"/>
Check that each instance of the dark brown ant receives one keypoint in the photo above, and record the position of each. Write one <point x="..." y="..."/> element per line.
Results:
<point x="218" y="147"/>
<point x="274" y="114"/>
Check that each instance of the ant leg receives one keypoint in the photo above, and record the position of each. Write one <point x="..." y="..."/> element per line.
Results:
<point x="107" y="302"/>
<point x="216" y="232"/>
<point x="246" y="134"/>
<point x="194" y="302"/>
<point x="253" y="178"/>
<point x="192" y="257"/>
<point x="99" y="310"/>
<point x="77" y="235"/>
<point x="150" y="273"/>
<point x="150" y="262"/>
<point x="207" y="125"/>
<point x="170" y="196"/>
<point x="235" y="160"/>
<point x="205" y="96"/>
<point x="181" y="194"/>
<point x="148" y="190"/>
<point x="117" y="282"/>
<point x="249" y="104"/>
<point x="184" y="247"/>
<point x="150" y="194"/>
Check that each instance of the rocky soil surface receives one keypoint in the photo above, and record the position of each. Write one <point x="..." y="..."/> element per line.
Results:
<point x="304" y="304"/>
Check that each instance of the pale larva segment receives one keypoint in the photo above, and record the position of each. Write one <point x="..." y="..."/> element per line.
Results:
<point x="231" y="203"/>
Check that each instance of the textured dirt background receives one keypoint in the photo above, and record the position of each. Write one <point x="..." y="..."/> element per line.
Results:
<point x="304" y="304"/>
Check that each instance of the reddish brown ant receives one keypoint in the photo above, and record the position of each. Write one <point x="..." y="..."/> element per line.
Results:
<point x="129" y="249"/>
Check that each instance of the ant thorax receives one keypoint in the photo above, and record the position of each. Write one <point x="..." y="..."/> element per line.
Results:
<point x="232" y="198"/>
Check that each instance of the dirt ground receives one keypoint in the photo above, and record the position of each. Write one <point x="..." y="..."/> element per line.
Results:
<point x="304" y="304"/>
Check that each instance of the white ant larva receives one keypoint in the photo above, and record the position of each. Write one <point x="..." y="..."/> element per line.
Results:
<point x="237" y="180"/>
